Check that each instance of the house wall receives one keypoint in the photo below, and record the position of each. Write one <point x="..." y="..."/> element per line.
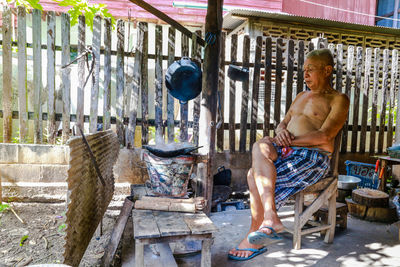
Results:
<point x="352" y="11"/>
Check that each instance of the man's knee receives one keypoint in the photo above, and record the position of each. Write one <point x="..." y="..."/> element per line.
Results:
<point x="264" y="149"/>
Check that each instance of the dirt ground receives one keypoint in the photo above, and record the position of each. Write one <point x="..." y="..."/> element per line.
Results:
<point x="40" y="239"/>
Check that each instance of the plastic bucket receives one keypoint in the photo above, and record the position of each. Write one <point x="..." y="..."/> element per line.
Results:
<point x="168" y="176"/>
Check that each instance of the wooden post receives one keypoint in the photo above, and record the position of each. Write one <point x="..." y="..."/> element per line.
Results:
<point x="184" y="106"/>
<point x="232" y="97"/>
<point x="349" y="75"/>
<point x="107" y="75"/>
<point x="51" y="77"/>
<point x="245" y="97"/>
<point x="377" y="60"/>
<point x="393" y="85"/>
<point x="66" y="81"/>
<point x="300" y="73"/>
<point x="357" y="89"/>
<point x="289" y="77"/>
<point x="385" y="81"/>
<point x="278" y="82"/>
<point x="365" y="98"/>
<point x="209" y="93"/>
<point x="267" y="82"/>
<point x="37" y="74"/>
<point x="145" y="85"/>
<point x="196" y="57"/>
<point x="170" y="98"/>
<point x="135" y="84"/>
<point x="158" y="84"/>
<point x="221" y="92"/>
<point x="256" y="84"/>
<point x="7" y="75"/>
<point x="94" y="96"/>
<point x="22" y="103"/>
<point x="80" y="102"/>
<point x="120" y="82"/>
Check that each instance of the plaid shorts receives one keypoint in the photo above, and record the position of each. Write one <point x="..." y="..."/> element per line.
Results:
<point x="302" y="168"/>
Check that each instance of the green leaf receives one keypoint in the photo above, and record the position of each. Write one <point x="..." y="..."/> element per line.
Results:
<point x="23" y="239"/>
<point x="4" y="207"/>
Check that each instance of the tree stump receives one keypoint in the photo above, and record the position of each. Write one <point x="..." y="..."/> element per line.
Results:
<point x="373" y="214"/>
<point x="370" y="197"/>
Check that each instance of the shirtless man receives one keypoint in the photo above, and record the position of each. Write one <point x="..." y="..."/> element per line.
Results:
<point x="297" y="156"/>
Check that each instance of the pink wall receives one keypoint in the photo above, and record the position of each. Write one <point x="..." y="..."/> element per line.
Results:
<point x="120" y="8"/>
<point x="337" y="12"/>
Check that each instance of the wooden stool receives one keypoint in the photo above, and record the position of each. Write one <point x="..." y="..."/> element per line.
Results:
<point x="164" y="227"/>
<point x="341" y="215"/>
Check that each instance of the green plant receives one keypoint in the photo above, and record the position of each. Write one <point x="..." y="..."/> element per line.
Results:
<point x="4" y="207"/>
<point x="61" y="227"/>
<point x="23" y="239"/>
<point x="28" y="4"/>
<point x="82" y="7"/>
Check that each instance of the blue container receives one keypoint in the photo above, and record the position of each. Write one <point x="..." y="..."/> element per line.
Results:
<point x="364" y="171"/>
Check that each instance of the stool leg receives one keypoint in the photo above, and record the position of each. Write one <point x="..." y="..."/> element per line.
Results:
<point x="298" y="209"/>
<point x="206" y="252"/>
<point x="139" y="254"/>
<point x="331" y="219"/>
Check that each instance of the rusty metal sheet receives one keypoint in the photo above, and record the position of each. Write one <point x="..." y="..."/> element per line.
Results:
<point x="88" y="199"/>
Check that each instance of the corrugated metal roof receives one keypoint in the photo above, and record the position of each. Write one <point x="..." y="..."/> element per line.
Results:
<point x="235" y="17"/>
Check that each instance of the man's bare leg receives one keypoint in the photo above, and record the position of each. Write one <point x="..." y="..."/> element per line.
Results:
<point x="256" y="204"/>
<point x="257" y="217"/>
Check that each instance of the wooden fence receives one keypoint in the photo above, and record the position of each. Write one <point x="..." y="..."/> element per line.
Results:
<point x="249" y="110"/>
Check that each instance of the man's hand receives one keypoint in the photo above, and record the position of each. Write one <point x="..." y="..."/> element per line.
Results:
<point x="284" y="138"/>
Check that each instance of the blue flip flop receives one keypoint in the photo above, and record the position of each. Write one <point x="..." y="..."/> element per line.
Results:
<point x="261" y="238"/>
<point x="256" y="252"/>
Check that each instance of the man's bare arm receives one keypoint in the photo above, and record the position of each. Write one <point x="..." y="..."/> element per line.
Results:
<point x="330" y="128"/>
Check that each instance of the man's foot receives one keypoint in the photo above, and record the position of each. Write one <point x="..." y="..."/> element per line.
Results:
<point x="266" y="234"/>
<point x="244" y="253"/>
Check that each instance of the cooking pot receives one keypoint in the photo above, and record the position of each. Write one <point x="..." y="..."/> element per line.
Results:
<point x="348" y="182"/>
<point x="183" y="79"/>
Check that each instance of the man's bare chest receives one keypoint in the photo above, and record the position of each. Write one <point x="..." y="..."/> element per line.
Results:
<point x="314" y="107"/>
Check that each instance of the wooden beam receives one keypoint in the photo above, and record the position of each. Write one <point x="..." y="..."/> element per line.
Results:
<point x="161" y="15"/>
<point x="208" y="108"/>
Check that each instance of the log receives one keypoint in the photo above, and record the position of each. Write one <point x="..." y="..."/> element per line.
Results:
<point x="165" y="206"/>
<point x="373" y="214"/>
<point x="370" y="197"/>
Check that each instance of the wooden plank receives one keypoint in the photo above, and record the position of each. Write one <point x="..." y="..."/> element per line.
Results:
<point x="196" y="57"/>
<point x="199" y="223"/>
<point x="289" y="75"/>
<point x="374" y="100"/>
<point x="385" y="82"/>
<point x="331" y="48"/>
<point x="339" y="68"/>
<point x="107" y="75"/>
<point x="206" y="253"/>
<point x="256" y="85"/>
<point x="365" y="98"/>
<point x="245" y="96"/>
<point x="300" y="72"/>
<point x="144" y="224"/>
<point x="185" y="106"/>
<point x="349" y="76"/>
<point x="278" y="82"/>
<point x="357" y="89"/>
<point x="7" y="75"/>
<point x="310" y="46"/>
<point x="158" y="83"/>
<point x="135" y="84"/>
<point x="144" y="84"/>
<point x="117" y="232"/>
<point x="232" y="96"/>
<point x="170" y="98"/>
<point x="65" y="75"/>
<point x="22" y="92"/>
<point x="80" y="101"/>
<point x="221" y="92"/>
<point x="94" y="96"/>
<point x="166" y="256"/>
<point x="37" y="74"/>
<point x="393" y="86"/>
<point x="120" y="82"/>
<point x="51" y="77"/>
<point x="170" y="223"/>
<point x="268" y="88"/>
<point x="167" y="19"/>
